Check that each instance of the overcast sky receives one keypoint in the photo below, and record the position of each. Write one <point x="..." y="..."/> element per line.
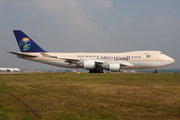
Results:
<point x="90" y="26"/>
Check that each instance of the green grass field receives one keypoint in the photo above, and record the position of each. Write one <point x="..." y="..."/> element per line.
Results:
<point x="89" y="96"/>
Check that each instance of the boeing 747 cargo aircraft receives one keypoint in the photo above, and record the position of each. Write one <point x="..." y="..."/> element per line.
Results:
<point x="94" y="62"/>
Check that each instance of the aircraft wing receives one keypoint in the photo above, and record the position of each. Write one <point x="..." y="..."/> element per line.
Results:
<point x="75" y="60"/>
<point x="68" y="59"/>
<point x="64" y="58"/>
<point x="8" y="70"/>
<point x="22" y="54"/>
<point x="79" y="60"/>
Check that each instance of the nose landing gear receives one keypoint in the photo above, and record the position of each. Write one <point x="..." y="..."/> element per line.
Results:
<point x="156" y="71"/>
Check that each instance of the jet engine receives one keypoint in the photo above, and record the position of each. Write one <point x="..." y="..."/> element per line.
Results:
<point x="114" y="67"/>
<point x="89" y="65"/>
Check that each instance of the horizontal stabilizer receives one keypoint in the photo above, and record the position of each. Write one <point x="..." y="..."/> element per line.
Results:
<point x="22" y="54"/>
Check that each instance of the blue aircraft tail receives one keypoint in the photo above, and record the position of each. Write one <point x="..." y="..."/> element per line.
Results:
<point x="26" y="44"/>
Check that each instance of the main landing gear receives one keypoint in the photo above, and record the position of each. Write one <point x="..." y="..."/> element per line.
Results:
<point x="156" y="71"/>
<point x="96" y="71"/>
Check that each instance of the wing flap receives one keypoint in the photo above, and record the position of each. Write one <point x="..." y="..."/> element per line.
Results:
<point x="99" y="61"/>
<point x="126" y="64"/>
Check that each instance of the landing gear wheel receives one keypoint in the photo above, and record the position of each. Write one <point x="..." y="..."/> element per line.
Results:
<point x="96" y="71"/>
<point x="156" y="71"/>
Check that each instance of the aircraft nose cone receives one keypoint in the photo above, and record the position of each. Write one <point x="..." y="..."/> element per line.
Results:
<point x="171" y="60"/>
<point x="168" y="59"/>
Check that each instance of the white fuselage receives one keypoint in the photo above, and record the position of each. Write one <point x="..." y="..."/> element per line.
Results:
<point x="128" y="60"/>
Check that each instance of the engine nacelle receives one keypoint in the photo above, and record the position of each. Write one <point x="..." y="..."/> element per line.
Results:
<point x="114" y="67"/>
<point x="89" y="65"/>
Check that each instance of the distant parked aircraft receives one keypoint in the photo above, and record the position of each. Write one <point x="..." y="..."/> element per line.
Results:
<point x="10" y="69"/>
<point x="94" y="62"/>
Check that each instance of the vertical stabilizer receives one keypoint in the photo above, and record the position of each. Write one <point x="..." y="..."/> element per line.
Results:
<point x="25" y="43"/>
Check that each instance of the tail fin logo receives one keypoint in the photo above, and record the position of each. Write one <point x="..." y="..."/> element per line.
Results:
<point x="25" y="44"/>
